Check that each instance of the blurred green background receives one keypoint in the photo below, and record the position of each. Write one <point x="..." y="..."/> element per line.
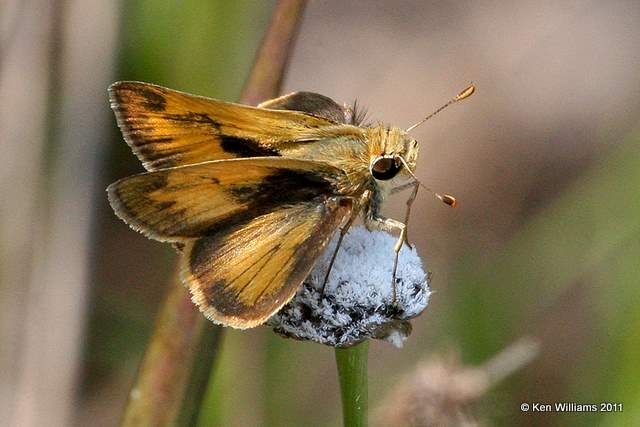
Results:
<point x="545" y="160"/>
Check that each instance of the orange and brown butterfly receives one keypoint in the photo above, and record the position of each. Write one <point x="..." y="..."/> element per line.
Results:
<point x="252" y="195"/>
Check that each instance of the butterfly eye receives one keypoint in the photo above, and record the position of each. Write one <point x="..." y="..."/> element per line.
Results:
<point x="384" y="168"/>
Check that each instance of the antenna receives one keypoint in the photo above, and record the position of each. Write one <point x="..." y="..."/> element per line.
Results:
<point x="459" y="97"/>
<point x="445" y="198"/>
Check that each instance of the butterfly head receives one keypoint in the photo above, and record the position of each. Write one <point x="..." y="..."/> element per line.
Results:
<point x="397" y="155"/>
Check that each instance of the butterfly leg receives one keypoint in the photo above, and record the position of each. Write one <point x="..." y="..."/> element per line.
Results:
<point x="343" y="231"/>
<point x="410" y="201"/>
<point x="390" y="224"/>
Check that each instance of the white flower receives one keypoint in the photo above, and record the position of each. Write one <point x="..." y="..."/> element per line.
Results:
<point x="358" y="299"/>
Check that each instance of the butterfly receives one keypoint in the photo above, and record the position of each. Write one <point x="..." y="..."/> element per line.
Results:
<point x="251" y="196"/>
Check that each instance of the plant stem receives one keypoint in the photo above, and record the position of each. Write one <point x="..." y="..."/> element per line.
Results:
<point x="272" y="58"/>
<point x="209" y="343"/>
<point x="157" y="394"/>
<point x="352" y="372"/>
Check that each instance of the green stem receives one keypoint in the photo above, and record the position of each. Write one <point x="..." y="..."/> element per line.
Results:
<point x="352" y="372"/>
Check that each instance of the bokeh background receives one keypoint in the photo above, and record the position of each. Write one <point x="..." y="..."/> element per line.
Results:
<point x="544" y="159"/>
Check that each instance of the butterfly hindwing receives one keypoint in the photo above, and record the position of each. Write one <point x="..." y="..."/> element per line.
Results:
<point x="240" y="275"/>
<point x="190" y="201"/>
<point x="311" y="103"/>
<point x="167" y="128"/>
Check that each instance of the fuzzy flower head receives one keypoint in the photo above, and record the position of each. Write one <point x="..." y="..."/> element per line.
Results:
<point x="358" y="298"/>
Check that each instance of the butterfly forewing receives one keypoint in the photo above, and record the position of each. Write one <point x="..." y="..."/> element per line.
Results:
<point x="167" y="128"/>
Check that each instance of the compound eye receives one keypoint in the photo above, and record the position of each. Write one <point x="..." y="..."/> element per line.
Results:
<point x="384" y="168"/>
